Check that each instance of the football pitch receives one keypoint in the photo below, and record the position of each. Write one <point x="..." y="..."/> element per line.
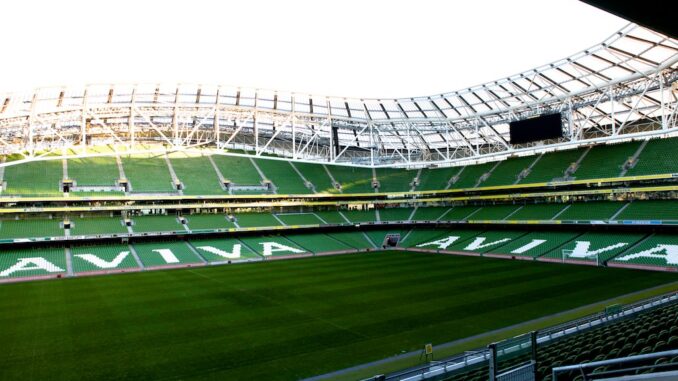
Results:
<point x="280" y="320"/>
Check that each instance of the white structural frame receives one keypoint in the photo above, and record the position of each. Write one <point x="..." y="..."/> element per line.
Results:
<point x="623" y="88"/>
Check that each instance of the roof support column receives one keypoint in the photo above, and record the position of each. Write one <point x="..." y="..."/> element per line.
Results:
<point x="294" y="132"/>
<point x="131" y="118"/>
<point x="83" y="123"/>
<point x="215" y="123"/>
<point x="371" y="145"/>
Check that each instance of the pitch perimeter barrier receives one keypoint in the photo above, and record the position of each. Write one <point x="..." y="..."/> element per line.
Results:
<point x="480" y="357"/>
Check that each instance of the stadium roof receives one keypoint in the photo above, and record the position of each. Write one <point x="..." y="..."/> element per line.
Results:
<point x="624" y="79"/>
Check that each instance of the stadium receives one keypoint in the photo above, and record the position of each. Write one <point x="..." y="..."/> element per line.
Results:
<point x="521" y="229"/>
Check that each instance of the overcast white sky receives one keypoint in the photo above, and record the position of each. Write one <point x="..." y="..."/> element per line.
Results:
<point x="362" y="48"/>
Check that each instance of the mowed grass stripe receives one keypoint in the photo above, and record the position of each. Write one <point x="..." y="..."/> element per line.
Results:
<point x="280" y="320"/>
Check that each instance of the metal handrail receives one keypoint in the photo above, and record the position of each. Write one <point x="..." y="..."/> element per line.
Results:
<point x="479" y="355"/>
<point x="582" y="367"/>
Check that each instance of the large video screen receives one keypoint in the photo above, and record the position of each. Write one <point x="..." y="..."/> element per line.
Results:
<point x="534" y="129"/>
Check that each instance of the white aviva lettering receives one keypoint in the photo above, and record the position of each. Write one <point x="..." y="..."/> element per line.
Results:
<point x="235" y="253"/>
<point x="274" y="247"/>
<point x="442" y="243"/>
<point x="478" y="243"/>
<point x="529" y="246"/>
<point x="581" y="249"/>
<point x="104" y="264"/>
<point x="167" y="255"/>
<point x="30" y="264"/>
<point x="667" y="252"/>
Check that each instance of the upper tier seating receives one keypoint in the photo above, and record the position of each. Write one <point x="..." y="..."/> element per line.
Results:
<point x="552" y="166"/>
<point x="471" y="174"/>
<point x="94" y="171"/>
<point x="508" y="170"/>
<point x="436" y="179"/>
<point x="148" y="173"/>
<point x="238" y="170"/>
<point x="395" y="180"/>
<point x="37" y="178"/>
<point x="196" y="173"/>
<point x="285" y="178"/>
<point x="605" y="161"/>
<point x="317" y="175"/>
<point x="352" y="179"/>
<point x="658" y="157"/>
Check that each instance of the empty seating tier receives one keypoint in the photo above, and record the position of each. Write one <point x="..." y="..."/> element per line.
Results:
<point x="494" y="212"/>
<point x="37" y="178"/>
<point x="431" y="213"/>
<point x="196" y="173"/>
<point x="317" y="175"/>
<point x="537" y="212"/>
<point x="395" y="214"/>
<point x="299" y="219"/>
<point x="470" y="176"/>
<point x="395" y="180"/>
<point x="30" y="228"/>
<point x="97" y="226"/>
<point x="352" y="179"/>
<point x="597" y="210"/>
<point x="552" y="166"/>
<point x="252" y="220"/>
<point x="331" y="217"/>
<point x="208" y="221"/>
<point x="658" y="157"/>
<point x="157" y="223"/>
<point x="508" y="170"/>
<point x="94" y="171"/>
<point x="605" y="161"/>
<point x="148" y="173"/>
<point x="285" y="178"/>
<point x="666" y="210"/>
<point x="436" y="179"/>
<point x="318" y="243"/>
<point x="358" y="216"/>
<point x="238" y="170"/>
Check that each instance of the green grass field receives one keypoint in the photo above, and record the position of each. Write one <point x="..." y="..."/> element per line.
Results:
<point x="280" y="320"/>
